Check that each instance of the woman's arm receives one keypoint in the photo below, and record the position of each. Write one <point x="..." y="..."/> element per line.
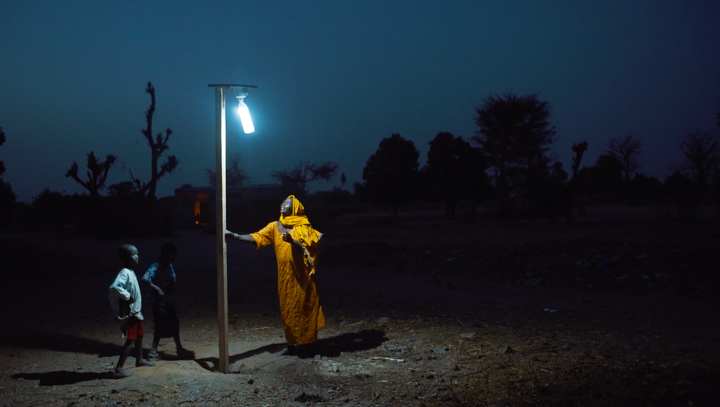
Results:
<point x="288" y="238"/>
<point x="242" y="238"/>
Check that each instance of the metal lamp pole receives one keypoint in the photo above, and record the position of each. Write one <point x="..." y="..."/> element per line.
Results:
<point x="220" y="220"/>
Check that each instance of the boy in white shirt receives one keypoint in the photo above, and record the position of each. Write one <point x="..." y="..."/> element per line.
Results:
<point x="126" y="303"/>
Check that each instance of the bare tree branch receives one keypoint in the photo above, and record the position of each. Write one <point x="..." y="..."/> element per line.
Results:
<point x="627" y="150"/>
<point x="304" y="173"/>
<point x="157" y="147"/>
<point x="96" y="174"/>
<point x="579" y="149"/>
<point x="701" y="154"/>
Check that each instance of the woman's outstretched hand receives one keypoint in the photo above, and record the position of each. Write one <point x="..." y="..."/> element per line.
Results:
<point x="288" y="238"/>
<point x="243" y="238"/>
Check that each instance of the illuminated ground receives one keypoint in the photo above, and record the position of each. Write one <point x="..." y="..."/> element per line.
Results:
<point x="493" y="313"/>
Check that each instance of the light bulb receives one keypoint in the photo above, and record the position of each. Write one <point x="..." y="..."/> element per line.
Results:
<point x="245" y="118"/>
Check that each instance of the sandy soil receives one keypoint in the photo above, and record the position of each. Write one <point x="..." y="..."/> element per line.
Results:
<point x="424" y="312"/>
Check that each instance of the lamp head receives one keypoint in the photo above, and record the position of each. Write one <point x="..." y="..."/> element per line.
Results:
<point x="243" y="111"/>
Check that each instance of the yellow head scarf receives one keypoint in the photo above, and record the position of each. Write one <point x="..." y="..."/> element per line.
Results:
<point x="303" y="231"/>
<point x="298" y="214"/>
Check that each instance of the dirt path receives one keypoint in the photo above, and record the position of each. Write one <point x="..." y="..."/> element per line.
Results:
<point x="486" y="314"/>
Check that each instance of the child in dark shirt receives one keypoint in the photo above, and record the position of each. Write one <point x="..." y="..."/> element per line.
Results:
<point x="161" y="279"/>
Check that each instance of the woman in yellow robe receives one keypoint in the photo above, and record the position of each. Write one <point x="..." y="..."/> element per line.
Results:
<point x="297" y="246"/>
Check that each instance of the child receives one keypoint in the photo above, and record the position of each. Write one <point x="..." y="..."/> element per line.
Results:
<point x="127" y="305"/>
<point x="161" y="279"/>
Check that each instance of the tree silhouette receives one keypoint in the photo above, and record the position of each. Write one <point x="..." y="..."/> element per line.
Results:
<point x="235" y="175"/>
<point x="391" y="173"/>
<point x="121" y="189"/>
<point x="644" y="190"/>
<point x="157" y="147"/>
<point x="682" y="191"/>
<point x="2" y="141"/>
<point x="455" y="170"/>
<point x="571" y="187"/>
<point x="7" y="196"/>
<point x="606" y="176"/>
<point x="579" y="149"/>
<point x="544" y="188"/>
<point x="512" y="132"/>
<point x="303" y="173"/>
<point x="701" y="155"/>
<point x="627" y="150"/>
<point x="96" y="174"/>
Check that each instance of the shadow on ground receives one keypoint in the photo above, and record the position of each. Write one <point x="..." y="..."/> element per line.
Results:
<point x="37" y="339"/>
<point x="211" y="364"/>
<point x="61" y="378"/>
<point x="187" y="355"/>
<point x="328" y="347"/>
<point x="345" y="343"/>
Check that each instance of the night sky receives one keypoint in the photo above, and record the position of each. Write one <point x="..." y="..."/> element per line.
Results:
<point x="336" y="77"/>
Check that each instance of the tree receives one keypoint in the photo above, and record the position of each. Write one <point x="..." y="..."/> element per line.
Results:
<point x="571" y="187"/>
<point x="455" y="170"/>
<point x="512" y="132"/>
<point x="235" y="175"/>
<point x="96" y="174"/>
<point x="2" y="141"/>
<point x="701" y="155"/>
<point x="543" y="188"/>
<point x="579" y="149"/>
<point x="682" y="191"/>
<point x="605" y="178"/>
<point x="644" y="190"/>
<point x="304" y="173"/>
<point x="607" y="175"/>
<point x="157" y="147"/>
<point x="391" y="173"/>
<point x="7" y="196"/>
<point x="121" y="189"/>
<point x="49" y="210"/>
<point x="627" y="150"/>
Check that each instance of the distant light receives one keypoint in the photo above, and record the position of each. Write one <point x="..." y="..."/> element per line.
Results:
<point x="245" y="118"/>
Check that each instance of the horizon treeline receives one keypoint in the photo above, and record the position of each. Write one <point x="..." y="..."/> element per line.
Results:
<point x="507" y="166"/>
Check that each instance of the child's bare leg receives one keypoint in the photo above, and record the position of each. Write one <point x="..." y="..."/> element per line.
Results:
<point x="138" y="348"/>
<point x="178" y="345"/>
<point x="153" y="348"/>
<point x="119" y="371"/>
<point x="182" y="352"/>
<point x="139" y="361"/>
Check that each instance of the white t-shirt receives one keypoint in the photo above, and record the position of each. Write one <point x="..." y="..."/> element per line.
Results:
<point x="126" y="286"/>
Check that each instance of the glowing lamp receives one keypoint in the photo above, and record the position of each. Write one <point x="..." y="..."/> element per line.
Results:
<point x="245" y="118"/>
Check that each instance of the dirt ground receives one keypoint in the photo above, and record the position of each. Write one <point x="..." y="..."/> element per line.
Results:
<point x="608" y="311"/>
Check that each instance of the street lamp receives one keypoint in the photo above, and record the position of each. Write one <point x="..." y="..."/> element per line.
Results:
<point x="240" y="92"/>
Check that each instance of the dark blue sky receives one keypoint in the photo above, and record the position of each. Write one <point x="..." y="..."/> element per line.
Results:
<point x="335" y="77"/>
